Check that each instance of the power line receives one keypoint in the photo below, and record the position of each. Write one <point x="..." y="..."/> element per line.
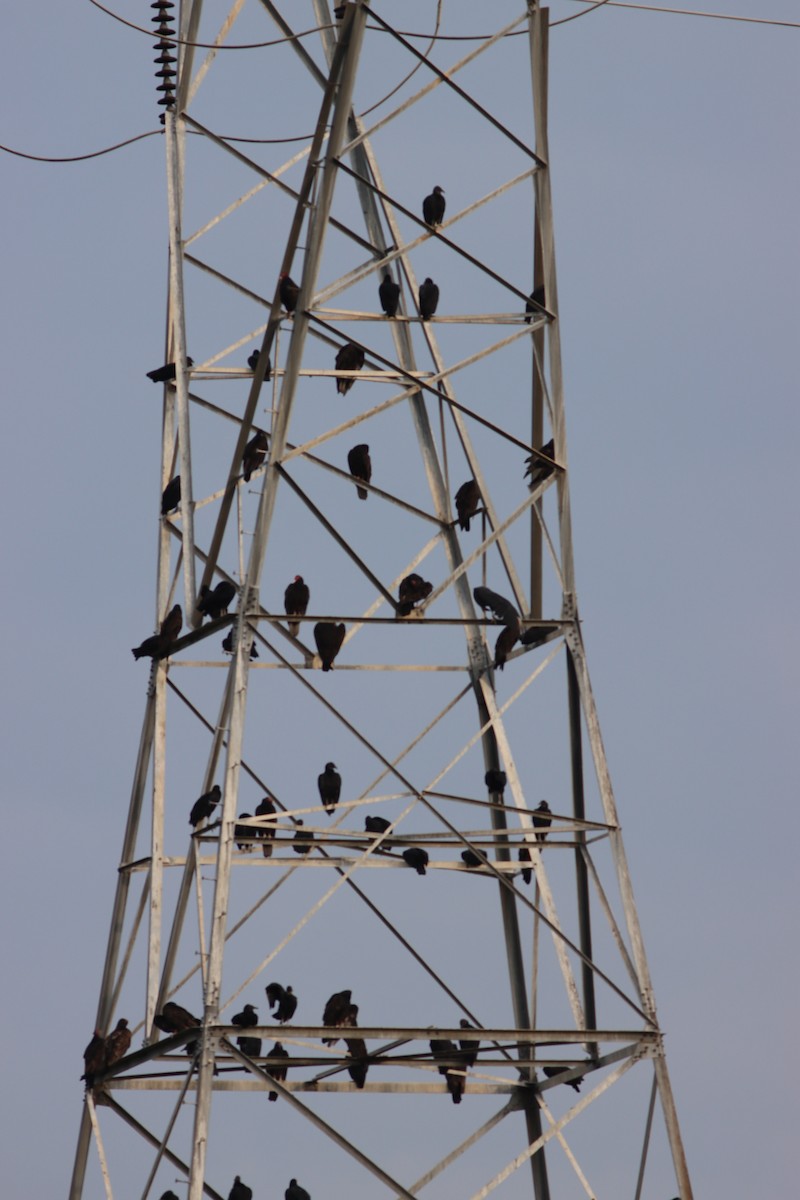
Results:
<point x="693" y="12"/>
<point x="80" y="157"/>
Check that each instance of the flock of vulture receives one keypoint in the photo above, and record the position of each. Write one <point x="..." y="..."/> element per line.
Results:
<point x="240" y="1191"/>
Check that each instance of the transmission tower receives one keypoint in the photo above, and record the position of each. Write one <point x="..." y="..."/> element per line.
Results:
<point x="456" y="704"/>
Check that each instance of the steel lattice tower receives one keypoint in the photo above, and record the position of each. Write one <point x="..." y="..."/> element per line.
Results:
<point x="549" y="964"/>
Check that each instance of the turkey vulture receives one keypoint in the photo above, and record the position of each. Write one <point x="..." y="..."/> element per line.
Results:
<point x="295" y="1192"/>
<point x="538" y="469"/>
<point x="360" y="464"/>
<point x="505" y="643"/>
<point x="468" y="497"/>
<point x="117" y="1043"/>
<point x="330" y="787"/>
<point x="524" y="856"/>
<point x="205" y="805"/>
<point x="349" y="357"/>
<point x="172" y="623"/>
<point x="254" y="454"/>
<point x="455" y="1080"/>
<point x="246" y="1019"/>
<point x="266" y="834"/>
<point x="175" y="1019"/>
<point x="428" y="298"/>
<point x="94" y="1058"/>
<point x="469" y="1046"/>
<point x="285" y="1000"/>
<point x="357" y="1067"/>
<point x="214" y="602"/>
<point x="240" y="1191"/>
<point x="328" y="637"/>
<point x="152" y="647"/>
<point x="471" y="859"/>
<point x="277" y="1072"/>
<point x="535" y="303"/>
<point x="543" y="821"/>
<point x="495" y="780"/>
<point x="295" y="602"/>
<point x="166" y="374"/>
<point x="413" y="589"/>
<point x="244" y="831"/>
<point x="552" y="1072"/>
<point x="339" y="1013"/>
<point x="389" y="295"/>
<point x="303" y="840"/>
<point x="376" y="824"/>
<point x="227" y="645"/>
<point x="171" y="496"/>
<point x="289" y="293"/>
<point x="502" y="609"/>
<point x="417" y="858"/>
<point x="252" y="363"/>
<point x="433" y="207"/>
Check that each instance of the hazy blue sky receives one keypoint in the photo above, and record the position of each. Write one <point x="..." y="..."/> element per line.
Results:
<point x="674" y="162"/>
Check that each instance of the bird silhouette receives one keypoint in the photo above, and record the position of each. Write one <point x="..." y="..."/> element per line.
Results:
<point x="495" y="781"/>
<point x="289" y="293"/>
<point x="171" y="496"/>
<point x="389" y="295"/>
<point x="376" y="824"/>
<point x="543" y="821"/>
<point x="328" y="637"/>
<point x="428" y="299"/>
<point x="417" y="858"/>
<point x="204" y="806"/>
<point x="468" y="498"/>
<point x="173" y="1018"/>
<point x="443" y="1048"/>
<point x="471" y="859"/>
<point x="505" y="644"/>
<point x="357" y="1066"/>
<point x="524" y="856"/>
<point x="252" y="363"/>
<point x="295" y="602"/>
<point x="213" y="602"/>
<point x="534" y="304"/>
<point x="469" y="1046"/>
<point x="295" y="1192"/>
<point x="433" y="207"/>
<point x="227" y="645"/>
<point x="244" y="831"/>
<point x="330" y="787"/>
<point x="339" y="1013"/>
<point x="303" y="840"/>
<point x="554" y="1072"/>
<point x="540" y="466"/>
<point x="94" y="1058"/>
<point x="166" y="374"/>
<point x="283" y="1000"/>
<point x="276" y="1070"/>
<point x="360" y="464"/>
<point x="246" y="1019"/>
<point x="240" y="1191"/>
<point x="254" y="454"/>
<point x="117" y="1044"/>
<point x="266" y="835"/>
<point x="413" y="590"/>
<point x="349" y="357"/>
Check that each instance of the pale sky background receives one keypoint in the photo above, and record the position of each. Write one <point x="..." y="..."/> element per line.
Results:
<point x="675" y="175"/>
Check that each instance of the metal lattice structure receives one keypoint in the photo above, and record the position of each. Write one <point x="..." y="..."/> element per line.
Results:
<point x="533" y="938"/>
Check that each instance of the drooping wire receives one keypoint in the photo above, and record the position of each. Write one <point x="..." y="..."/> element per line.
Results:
<point x="81" y="157"/>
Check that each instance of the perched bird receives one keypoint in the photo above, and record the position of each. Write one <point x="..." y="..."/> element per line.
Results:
<point x="252" y="363"/>
<point x="289" y="293"/>
<point x="328" y="637"/>
<point x="495" y="781"/>
<point x="501" y="608"/>
<point x="303" y="840"/>
<point x="275" y="1069"/>
<point x="152" y="647"/>
<point x="244" y="831"/>
<point x="254" y="454"/>
<point x="417" y="858"/>
<point x="166" y="374"/>
<point x="358" y="1066"/>
<point x="117" y="1043"/>
<point x="553" y="1072"/>
<point x="168" y="1196"/>
<point x="433" y="207"/>
<point x="535" y="303"/>
<point x="524" y="856"/>
<point x="173" y="1018"/>
<point x="468" y="498"/>
<point x="214" y="602"/>
<point x="505" y="644"/>
<point x="227" y="645"/>
<point x="389" y="294"/>
<point x="339" y="1013"/>
<point x="172" y="624"/>
<point x="205" y="805"/>
<point x="171" y="496"/>
<point x="246" y="1019"/>
<point x="94" y="1058"/>
<point x="266" y="835"/>
<point x="295" y="602"/>
<point x="376" y="824"/>
<point x="240" y="1191"/>
<point x="349" y="357"/>
<point x="538" y="468"/>
<point x="469" y="1046"/>
<point x="360" y="464"/>
<point x="471" y="858"/>
<point x="295" y="1192"/>
<point x="543" y="821"/>
<point x="330" y="787"/>
<point x="428" y="299"/>
<point x="413" y="589"/>
<point x="285" y="1000"/>
<point x="443" y="1048"/>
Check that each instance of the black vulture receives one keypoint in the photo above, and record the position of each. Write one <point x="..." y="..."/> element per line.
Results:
<point x="166" y="374"/>
<point x="240" y="1191"/>
<point x="246" y="1019"/>
<point x="213" y="602"/>
<point x="152" y="647"/>
<point x="303" y="840"/>
<point x="524" y="856"/>
<point x="330" y="787"/>
<point x="443" y="1048"/>
<point x="389" y="295"/>
<point x="285" y="1000"/>
<point x="205" y="805"/>
<point x="252" y="363"/>
<point x="505" y="643"/>
<point x="468" y="498"/>
<point x="295" y="1192"/>
<point x="295" y="602"/>
<point x="469" y="1046"/>
<point x="360" y="465"/>
<point x="376" y="824"/>
<point x="417" y="858"/>
<point x="495" y="780"/>
<point x="266" y="835"/>
<point x="94" y="1058"/>
<point x="433" y="207"/>
<point x="535" y="303"/>
<point x="553" y="1072"/>
<point x="428" y="298"/>
<point x="413" y="589"/>
<point x="117" y="1043"/>
<point x="357" y="1067"/>
<point x="171" y="496"/>
<point x="471" y="859"/>
<point x="227" y="645"/>
<point x="543" y="821"/>
<point x="328" y="637"/>
<point x="289" y="293"/>
<point x="339" y="1013"/>
<point x="244" y="831"/>
<point x="349" y="357"/>
<point x="254" y="454"/>
<point x="538" y="469"/>
<point x="168" y="1196"/>
<point x="276" y="1070"/>
<point x="501" y="608"/>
